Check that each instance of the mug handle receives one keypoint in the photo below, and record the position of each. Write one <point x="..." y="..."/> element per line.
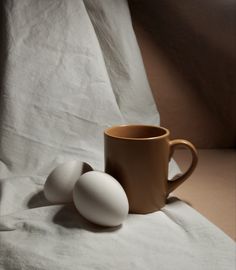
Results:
<point x="173" y="184"/>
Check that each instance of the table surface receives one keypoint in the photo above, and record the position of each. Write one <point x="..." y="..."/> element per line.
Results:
<point x="211" y="189"/>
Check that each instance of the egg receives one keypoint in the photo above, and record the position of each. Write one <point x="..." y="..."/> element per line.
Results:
<point x="100" y="199"/>
<point x="59" y="185"/>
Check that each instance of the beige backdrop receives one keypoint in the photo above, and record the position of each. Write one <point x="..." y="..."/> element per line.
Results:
<point x="189" y="53"/>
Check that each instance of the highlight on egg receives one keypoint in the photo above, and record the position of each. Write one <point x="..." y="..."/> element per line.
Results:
<point x="100" y="199"/>
<point x="59" y="185"/>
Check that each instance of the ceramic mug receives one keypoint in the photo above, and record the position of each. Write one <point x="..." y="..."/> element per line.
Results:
<point x="138" y="157"/>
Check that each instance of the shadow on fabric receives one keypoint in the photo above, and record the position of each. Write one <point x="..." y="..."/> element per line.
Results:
<point x="3" y="52"/>
<point x="69" y="217"/>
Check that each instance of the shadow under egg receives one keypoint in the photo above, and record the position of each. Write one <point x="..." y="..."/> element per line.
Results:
<point x="69" y="217"/>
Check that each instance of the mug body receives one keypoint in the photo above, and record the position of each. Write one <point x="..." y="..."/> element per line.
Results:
<point x="138" y="156"/>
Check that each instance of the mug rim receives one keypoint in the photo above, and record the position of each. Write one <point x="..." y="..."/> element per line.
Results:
<point x="107" y="130"/>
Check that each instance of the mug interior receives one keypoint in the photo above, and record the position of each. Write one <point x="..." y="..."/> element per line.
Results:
<point x="136" y="132"/>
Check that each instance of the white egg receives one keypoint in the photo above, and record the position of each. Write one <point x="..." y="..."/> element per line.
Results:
<point x="59" y="185"/>
<point x="100" y="199"/>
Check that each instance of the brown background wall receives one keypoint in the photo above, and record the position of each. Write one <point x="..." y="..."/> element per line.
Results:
<point x="188" y="49"/>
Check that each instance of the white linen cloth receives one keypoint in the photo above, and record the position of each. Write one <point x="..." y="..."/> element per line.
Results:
<point x="71" y="68"/>
<point x="57" y="97"/>
<point x="56" y="237"/>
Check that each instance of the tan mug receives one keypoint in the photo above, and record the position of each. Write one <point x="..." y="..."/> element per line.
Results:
<point x="138" y="157"/>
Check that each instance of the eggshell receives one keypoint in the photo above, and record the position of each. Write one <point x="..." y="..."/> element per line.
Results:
<point x="100" y="199"/>
<point x="59" y="185"/>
